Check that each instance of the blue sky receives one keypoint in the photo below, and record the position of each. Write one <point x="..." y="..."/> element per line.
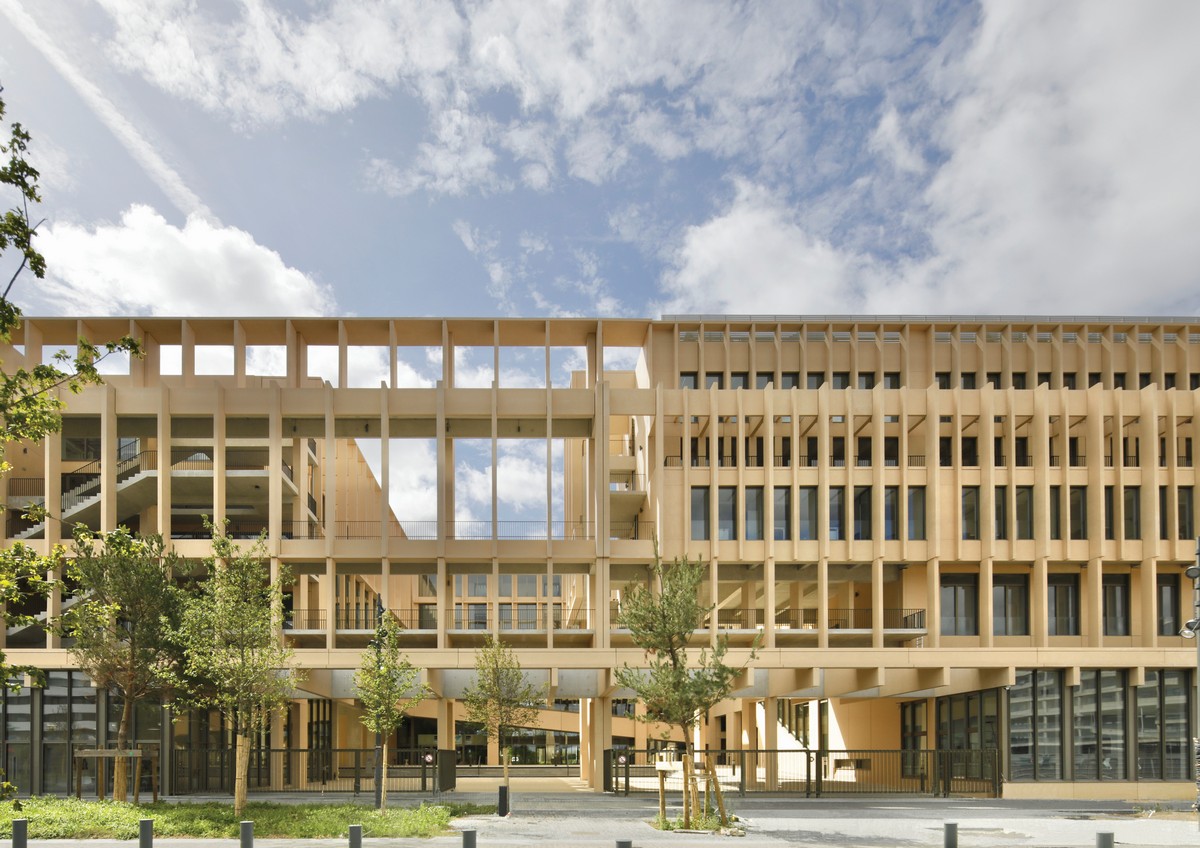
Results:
<point x="610" y="158"/>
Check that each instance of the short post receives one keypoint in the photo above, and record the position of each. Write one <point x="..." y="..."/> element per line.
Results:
<point x="1104" y="840"/>
<point x="624" y="843"/>
<point x="145" y="833"/>
<point x="468" y="839"/>
<point x="950" y="838"/>
<point x="20" y="833"/>
<point x="502" y="807"/>
<point x="625" y="760"/>
<point x="247" y="835"/>
<point x="356" y="836"/>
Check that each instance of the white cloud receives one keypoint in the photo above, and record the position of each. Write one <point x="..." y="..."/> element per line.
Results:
<point x="755" y="258"/>
<point x="593" y="80"/>
<point x="1072" y="170"/>
<point x="1065" y="183"/>
<point x="889" y="140"/>
<point x="267" y="64"/>
<point x="146" y="265"/>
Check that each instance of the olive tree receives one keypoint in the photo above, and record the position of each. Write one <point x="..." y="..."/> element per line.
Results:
<point x="500" y="698"/>
<point x="676" y="687"/>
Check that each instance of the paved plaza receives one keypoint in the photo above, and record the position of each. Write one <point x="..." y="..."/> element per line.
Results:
<point x="563" y="814"/>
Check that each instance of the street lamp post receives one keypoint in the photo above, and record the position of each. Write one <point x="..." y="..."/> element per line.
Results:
<point x="1189" y="631"/>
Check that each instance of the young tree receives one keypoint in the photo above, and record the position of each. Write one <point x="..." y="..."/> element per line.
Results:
<point x="500" y="699"/>
<point x="231" y="634"/>
<point x="123" y="622"/>
<point x="675" y="691"/>
<point x="388" y="686"/>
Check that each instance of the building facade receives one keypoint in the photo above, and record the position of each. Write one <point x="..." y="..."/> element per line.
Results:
<point x="953" y="533"/>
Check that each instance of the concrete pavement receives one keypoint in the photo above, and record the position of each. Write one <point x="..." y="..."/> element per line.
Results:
<point x="561" y="814"/>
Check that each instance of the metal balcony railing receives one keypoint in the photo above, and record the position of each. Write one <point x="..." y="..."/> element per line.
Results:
<point x="637" y="529"/>
<point x="312" y="619"/>
<point x="916" y="460"/>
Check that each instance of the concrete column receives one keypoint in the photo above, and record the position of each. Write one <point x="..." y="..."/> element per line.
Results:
<point x="771" y="742"/>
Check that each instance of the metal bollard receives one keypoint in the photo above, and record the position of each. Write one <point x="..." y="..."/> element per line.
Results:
<point x="1104" y="840"/>
<point x="247" y="834"/>
<point x="624" y="843"/>
<point x="145" y="833"/>
<point x="950" y="838"/>
<point x="20" y="833"/>
<point x="502" y="807"/>
<point x="468" y="839"/>
<point x="356" y="836"/>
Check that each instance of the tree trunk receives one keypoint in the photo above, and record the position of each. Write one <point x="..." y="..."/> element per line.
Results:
<point x="241" y="773"/>
<point x="506" y="755"/>
<point x="383" y="779"/>
<point x="121" y="764"/>
<point x="687" y="786"/>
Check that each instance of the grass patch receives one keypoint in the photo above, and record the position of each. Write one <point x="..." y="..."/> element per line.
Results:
<point x="700" y="821"/>
<point x="66" y="818"/>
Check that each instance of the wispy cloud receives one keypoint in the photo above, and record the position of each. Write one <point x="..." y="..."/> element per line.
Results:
<point x="143" y="152"/>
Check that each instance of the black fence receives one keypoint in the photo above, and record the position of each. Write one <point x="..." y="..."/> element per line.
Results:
<point x="815" y="773"/>
<point x="351" y="770"/>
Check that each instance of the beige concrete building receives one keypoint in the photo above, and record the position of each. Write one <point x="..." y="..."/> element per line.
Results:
<point x="950" y="533"/>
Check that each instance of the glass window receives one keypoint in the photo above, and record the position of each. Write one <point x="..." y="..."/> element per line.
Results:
<point x="1133" y="512"/>
<point x="1119" y="380"/>
<point x="764" y="379"/>
<point x="942" y="379"/>
<point x="783" y="513"/>
<point x="837" y="513"/>
<point x="1116" y="604"/>
<point x="1010" y="605"/>
<point x="1063" y="602"/>
<point x="789" y="380"/>
<point x="726" y="513"/>
<point x="866" y="380"/>
<point x="477" y="585"/>
<point x="808" y="513"/>
<point x="891" y="379"/>
<point x="993" y="379"/>
<point x="739" y="380"/>
<point x="1078" y="511"/>
<point x="687" y="380"/>
<point x="970" y="512"/>
<point x="841" y="380"/>
<point x="916" y="512"/>
<point x="1024" y="512"/>
<point x="1018" y="379"/>
<point x="1187" y="526"/>
<point x="1109" y="508"/>
<point x="1035" y="725"/>
<point x="1001" y="498"/>
<point x="970" y="451"/>
<point x="1099" y="725"/>
<point x="427" y="585"/>
<point x="891" y="512"/>
<point x="816" y="379"/>
<point x="862" y="512"/>
<point x="506" y="586"/>
<point x="945" y="451"/>
<point x="714" y="380"/>
<point x="754" y="513"/>
<point x="968" y="380"/>
<point x="1056" y="512"/>
<point x="960" y="605"/>
<point x="1169" y="596"/>
<point x="700" y="513"/>
<point x="527" y="585"/>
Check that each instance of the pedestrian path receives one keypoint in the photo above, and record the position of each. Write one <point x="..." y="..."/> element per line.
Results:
<point x="572" y="818"/>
